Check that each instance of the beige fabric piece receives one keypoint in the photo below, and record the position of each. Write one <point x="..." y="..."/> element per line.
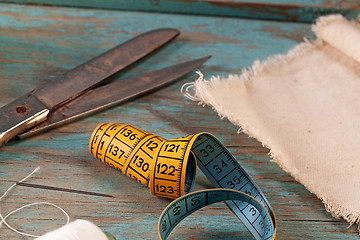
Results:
<point x="305" y="107"/>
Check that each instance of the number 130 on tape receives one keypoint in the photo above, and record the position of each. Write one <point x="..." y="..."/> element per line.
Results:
<point x="168" y="168"/>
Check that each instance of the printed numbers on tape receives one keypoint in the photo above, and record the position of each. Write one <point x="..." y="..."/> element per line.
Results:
<point x="168" y="168"/>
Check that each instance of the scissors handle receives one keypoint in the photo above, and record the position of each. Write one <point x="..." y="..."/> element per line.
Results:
<point x="21" y="115"/>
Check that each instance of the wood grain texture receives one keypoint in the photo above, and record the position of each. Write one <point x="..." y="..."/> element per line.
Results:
<point x="40" y="43"/>
<point x="288" y="10"/>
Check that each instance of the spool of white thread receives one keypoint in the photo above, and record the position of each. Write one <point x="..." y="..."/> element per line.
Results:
<point x="77" y="230"/>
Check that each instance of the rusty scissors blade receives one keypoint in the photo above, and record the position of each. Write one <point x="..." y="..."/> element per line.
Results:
<point x="50" y="100"/>
<point x="112" y="94"/>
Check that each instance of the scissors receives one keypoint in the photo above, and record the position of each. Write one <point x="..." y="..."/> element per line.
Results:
<point x="79" y="92"/>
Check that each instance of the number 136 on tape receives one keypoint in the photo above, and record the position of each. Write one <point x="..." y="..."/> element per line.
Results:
<point x="168" y="168"/>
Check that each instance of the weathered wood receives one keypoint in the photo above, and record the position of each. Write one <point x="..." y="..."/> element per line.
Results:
<point x="40" y="43"/>
<point x="289" y="10"/>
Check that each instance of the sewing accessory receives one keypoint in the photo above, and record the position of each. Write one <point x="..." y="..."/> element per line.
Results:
<point x="3" y="218"/>
<point x="168" y="168"/>
<point x="78" y="230"/>
<point x="77" y="93"/>
<point x="69" y="190"/>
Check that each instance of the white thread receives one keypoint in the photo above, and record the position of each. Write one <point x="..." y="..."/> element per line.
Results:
<point x="77" y="230"/>
<point x="185" y="89"/>
<point x="3" y="219"/>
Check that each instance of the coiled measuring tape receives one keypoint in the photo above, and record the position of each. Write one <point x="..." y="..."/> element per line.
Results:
<point x="168" y="168"/>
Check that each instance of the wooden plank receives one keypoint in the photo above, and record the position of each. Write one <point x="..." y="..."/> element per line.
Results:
<point x="289" y="10"/>
<point x="40" y="43"/>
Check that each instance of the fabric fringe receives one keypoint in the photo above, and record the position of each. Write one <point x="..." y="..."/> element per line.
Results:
<point x="324" y="21"/>
<point x="196" y="91"/>
<point x="339" y="212"/>
<point x="192" y="90"/>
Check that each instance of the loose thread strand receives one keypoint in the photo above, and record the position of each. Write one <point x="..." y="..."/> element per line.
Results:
<point x="3" y="219"/>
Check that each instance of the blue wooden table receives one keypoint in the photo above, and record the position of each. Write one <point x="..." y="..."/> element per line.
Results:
<point x="40" y="40"/>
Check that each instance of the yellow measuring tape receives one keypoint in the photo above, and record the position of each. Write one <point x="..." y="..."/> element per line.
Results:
<point x="168" y="168"/>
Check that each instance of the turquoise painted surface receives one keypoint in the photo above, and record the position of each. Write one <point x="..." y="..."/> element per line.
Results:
<point x="298" y="10"/>
<point x="39" y="43"/>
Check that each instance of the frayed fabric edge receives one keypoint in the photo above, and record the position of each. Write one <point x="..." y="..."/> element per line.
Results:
<point x="324" y="21"/>
<point x="336" y="210"/>
<point x="196" y="91"/>
<point x="193" y="90"/>
<point x="339" y="212"/>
